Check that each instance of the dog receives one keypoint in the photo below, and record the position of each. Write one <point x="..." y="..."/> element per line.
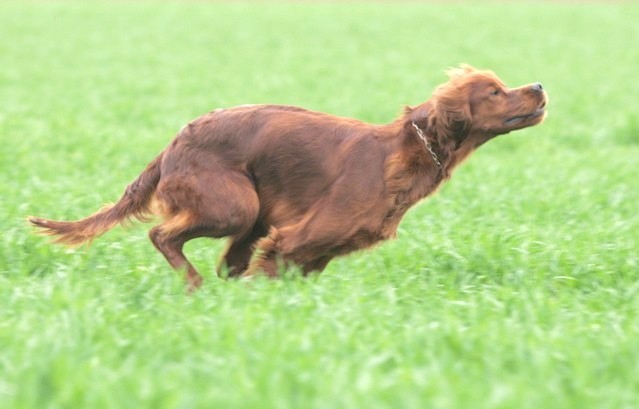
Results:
<point x="292" y="186"/>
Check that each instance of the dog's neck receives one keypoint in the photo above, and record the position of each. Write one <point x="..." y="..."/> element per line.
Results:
<point x="427" y="144"/>
<point x="430" y="158"/>
<point x="449" y="146"/>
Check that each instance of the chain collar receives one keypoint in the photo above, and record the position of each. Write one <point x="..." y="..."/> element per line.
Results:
<point x="427" y="144"/>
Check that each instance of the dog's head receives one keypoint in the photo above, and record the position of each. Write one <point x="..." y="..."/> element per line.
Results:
<point x="475" y="106"/>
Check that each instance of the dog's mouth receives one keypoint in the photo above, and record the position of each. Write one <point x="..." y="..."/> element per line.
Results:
<point x="522" y="118"/>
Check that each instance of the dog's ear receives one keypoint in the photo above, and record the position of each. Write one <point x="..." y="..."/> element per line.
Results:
<point x="451" y="113"/>
<point x="439" y="119"/>
<point x="421" y="115"/>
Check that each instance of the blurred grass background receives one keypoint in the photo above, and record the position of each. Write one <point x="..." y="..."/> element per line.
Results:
<point x="514" y="287"/>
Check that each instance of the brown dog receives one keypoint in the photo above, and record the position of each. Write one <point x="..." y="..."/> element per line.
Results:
<point x="303" y="187"/>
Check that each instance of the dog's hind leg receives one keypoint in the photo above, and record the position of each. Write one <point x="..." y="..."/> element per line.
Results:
<point x="171" y="249"/>
<point x="219" y="204"/>
<point x="265" y="260"/>
<point x="239" y="251"/>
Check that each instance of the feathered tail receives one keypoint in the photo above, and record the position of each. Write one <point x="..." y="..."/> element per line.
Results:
<point x="134" y="203"/>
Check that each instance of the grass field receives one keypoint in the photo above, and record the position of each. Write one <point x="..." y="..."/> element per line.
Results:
<point x="516" y="286"/>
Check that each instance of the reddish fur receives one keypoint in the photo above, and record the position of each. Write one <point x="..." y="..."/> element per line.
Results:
<point x="289" y="185"/>
<point x="133" y="204"/>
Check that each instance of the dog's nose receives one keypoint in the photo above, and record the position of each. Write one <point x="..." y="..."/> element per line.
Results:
<point x="537" y="87"/>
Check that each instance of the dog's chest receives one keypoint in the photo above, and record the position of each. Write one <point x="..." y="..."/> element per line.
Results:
<point x="393" y="217"/>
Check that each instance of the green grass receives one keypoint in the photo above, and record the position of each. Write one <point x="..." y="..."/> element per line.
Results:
<point x="516" y="286"/>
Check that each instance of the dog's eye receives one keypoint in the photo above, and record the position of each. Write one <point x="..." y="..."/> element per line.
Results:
<point x="496" y="91"/>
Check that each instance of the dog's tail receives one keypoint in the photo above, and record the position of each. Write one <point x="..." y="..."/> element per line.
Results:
<point x="134" y="203"/>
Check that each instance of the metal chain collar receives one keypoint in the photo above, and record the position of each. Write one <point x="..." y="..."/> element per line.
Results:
<point x="430" y="148"/>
